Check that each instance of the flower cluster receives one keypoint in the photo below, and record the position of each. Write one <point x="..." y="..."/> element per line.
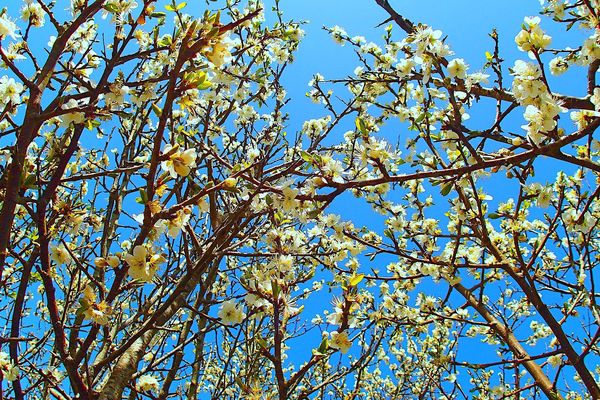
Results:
<point x="143" y="264"/>
<point x="8" y="27"/>
<point x="8" y="370"/>
<point x="98" y="312"/>
<point x="532" y="37"/>
<point x="10" y="91"/>
<point x="541" y="107"/>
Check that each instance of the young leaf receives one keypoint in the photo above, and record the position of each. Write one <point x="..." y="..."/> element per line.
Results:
<point x="360" y="125"/>
<point x="306" y="156"/>
<point x="447" y="188"/>
<point x="355" y="279"/>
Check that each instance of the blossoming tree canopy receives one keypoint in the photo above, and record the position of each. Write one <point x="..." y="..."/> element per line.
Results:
<point x="168" y="233"/>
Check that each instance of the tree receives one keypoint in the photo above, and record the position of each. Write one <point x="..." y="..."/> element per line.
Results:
<point x="163" y="236"/>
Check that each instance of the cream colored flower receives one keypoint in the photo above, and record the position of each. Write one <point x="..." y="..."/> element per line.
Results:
<point x="175" y="224"/>
<point x="231" y="313"/>
<point x="532" y="37"/>
<point x="179" y="163"/>
<point x="219" y="54"/>
<point x="142" y="265"/>
<point x="230" y="183"/>
<point x="595" y="99"/>
<point x="582" y="118"/>
<point x="8" y="370"/>
<point x="558" y="66"/>
<point x="340" y="341"/>
<point x="289" y="198"/>
<point x="103" y="262"/>
<point x="34" y="13"/>
<point x="97" y="312"/>
<point x="555" y="360"/>
<point x="59" y="254"/>
<point x="10" y="91"/>
<point x="457" y="68"/>
<point x="8" y="28"/>
<point x="146" y="383"/>
<point x="74" y="117"/>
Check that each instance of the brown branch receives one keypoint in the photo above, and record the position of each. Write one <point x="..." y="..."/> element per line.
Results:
<point x="406" y="25"/>
<point x="458" y="171"/>
<point x="512" y="342"/>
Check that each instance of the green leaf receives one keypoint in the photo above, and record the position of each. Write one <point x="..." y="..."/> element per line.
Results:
<point x="80" y="310"/>
<point x="181" y="5"/>
<point x="165" y="41"/>
<point x="322" y="349"/>
<point x="213" y="32"/>
<point x="420" y="118"/>
<point x="324" y="345"/>
<point x="192" y="27"/>
<point x="35" y="277"/>
<point x="33" y="237"/>
<point x="355" y="279"/>
<point x="111" y="8"/>
<point x="143" y="196"/>
<point x="314" y="213"/>
<point x="157" y="110"/>
<point x="189" y="133"/>
<point x="570" y="24"/>
<point x="389" y="233"/>
<point x="493" y="216"/>
<point x="276" y="289"/>
<point x="242" y="385"/>
<point x="30" y="182"/>
<point x="84" y="303"/>
<point x="447" y="188"/>
<point x="200" y="77"/>
<point x="306" y="156"/>
<point x="262" y="342"/>
<point x="360" y="125"/>
<point x="204" y="85"/>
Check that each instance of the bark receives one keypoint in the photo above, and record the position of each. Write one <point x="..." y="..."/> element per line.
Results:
<point x="127" y="364"/>
<point x="30" y="128"/>
<point x="512" y="342"/>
